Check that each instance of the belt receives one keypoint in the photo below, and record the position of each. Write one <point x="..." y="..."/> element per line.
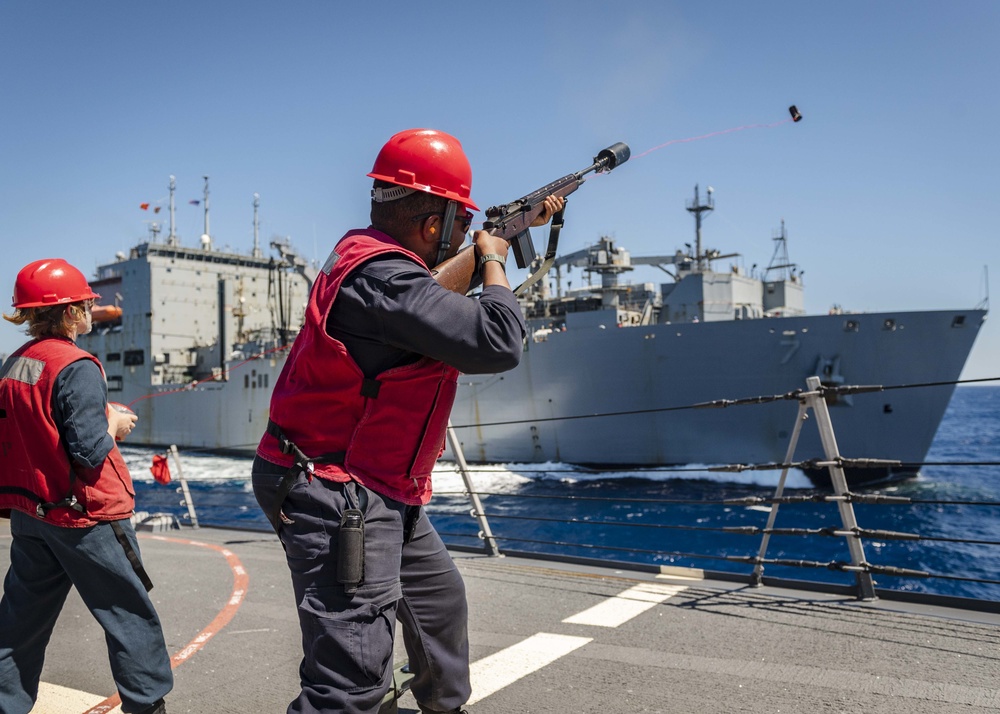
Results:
<point x="301" y="464"/>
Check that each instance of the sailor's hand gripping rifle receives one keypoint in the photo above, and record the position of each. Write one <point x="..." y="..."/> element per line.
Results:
<point x="511" y="221"/>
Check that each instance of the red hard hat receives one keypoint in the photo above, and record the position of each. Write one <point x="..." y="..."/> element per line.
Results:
<point x="50" y="281"/>
<point x="426" y="160"/>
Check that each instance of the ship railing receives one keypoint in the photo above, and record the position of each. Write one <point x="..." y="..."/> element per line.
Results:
<point x="494" y="521"/>
<point x="811" y="400"/>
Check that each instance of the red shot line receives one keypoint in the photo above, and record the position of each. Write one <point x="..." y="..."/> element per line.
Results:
<point x="213" y="378"/>
<point x="241" y="581"/>
<point x="714" y="133"/>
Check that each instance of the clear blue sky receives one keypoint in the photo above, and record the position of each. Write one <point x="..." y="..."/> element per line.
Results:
<point x="888" y="187"/>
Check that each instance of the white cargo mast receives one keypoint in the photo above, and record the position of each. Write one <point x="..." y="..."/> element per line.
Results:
<point x="172" y="238"/>
<point x="206" y="237"/>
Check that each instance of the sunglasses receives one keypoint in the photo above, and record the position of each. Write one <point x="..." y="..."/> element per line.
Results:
<point x="465" y="219"/>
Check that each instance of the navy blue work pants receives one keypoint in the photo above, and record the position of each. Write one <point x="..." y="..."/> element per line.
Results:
<point x="347" y="638"/>
<point x="45" y="562"/>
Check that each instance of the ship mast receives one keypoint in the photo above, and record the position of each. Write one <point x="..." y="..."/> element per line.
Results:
<point x="172" y="238"/>
<point x="206" y="238"/>
<point x="779" y="260"/>
<point x="256" y="226"/>
<point x="697" y="208"/>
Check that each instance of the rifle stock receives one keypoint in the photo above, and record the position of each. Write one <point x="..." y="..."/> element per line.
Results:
<point x="459" y="273"/>
<point x="511" y="221"/>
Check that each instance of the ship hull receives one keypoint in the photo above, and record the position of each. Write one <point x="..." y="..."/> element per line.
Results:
<point x="226" y="415"/>
<point x="611" y="396"/>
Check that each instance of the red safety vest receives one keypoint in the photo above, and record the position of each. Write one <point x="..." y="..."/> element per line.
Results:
<point x="37" y="475"/>
<point x="387" y="432"/>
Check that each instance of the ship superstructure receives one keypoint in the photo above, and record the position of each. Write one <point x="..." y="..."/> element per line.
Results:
<point x="187" y="317"/>
<point x="697" y="293"/>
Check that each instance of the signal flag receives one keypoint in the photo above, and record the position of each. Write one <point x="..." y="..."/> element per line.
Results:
<point x="160" y="469"/>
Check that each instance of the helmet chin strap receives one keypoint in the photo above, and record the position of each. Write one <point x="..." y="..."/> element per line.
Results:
<point x="447" y="228"/>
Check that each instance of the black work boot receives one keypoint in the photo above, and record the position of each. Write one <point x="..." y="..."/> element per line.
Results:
<point x="158" y="707"/>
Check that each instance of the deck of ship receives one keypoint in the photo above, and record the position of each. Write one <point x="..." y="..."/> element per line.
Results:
<point x="553" y="637"/>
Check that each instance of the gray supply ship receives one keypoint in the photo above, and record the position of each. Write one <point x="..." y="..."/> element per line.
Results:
<point x="198" y="336"/>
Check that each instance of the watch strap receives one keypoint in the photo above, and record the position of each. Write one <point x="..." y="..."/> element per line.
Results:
<point x="483" y="260"/>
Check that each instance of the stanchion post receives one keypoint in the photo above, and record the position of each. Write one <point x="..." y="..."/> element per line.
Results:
<point x="477" y="506"/>
<point x="756" y="579"/>
<point x="184" y="486"/>
<point x="814" y="398"/>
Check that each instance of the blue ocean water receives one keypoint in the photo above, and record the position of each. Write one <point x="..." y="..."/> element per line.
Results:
<point x="658" y="516"/>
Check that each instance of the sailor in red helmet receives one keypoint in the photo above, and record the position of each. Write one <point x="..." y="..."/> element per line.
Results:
<point x="69" y="496"/>
<point x="357" y="420"/>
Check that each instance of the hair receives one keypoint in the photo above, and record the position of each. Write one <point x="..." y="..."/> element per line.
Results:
<point x="394" y="217"/>
<point x="48" y="320"/>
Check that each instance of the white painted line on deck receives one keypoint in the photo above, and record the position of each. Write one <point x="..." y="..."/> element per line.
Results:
<point x="676" y="572"/>
<point x="493" y="673"/>
<point x="53" y="699"/>
<point x="623" y="607"/>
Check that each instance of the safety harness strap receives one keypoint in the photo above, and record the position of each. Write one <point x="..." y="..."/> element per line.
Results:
<point x="133" y="557"/>
<point x="370" y="388"/>
<point x="42" y="508"/>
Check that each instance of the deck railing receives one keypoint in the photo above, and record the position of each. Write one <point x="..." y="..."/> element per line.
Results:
<point x="589" y="528"/>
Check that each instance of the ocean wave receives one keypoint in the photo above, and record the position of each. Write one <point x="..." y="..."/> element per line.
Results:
<point x="205" y="467"/>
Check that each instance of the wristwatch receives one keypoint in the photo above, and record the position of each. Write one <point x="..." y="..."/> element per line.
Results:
<point x="492" y="256"/>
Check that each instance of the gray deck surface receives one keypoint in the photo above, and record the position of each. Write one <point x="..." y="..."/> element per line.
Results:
<point x="713" y="647"/>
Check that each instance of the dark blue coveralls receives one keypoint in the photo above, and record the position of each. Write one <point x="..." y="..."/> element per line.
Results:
<point x="388" y="312"/>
